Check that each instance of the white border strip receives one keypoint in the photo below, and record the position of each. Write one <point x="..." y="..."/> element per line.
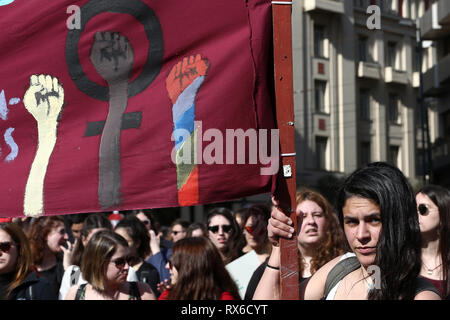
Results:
<point x="281" y="2"/>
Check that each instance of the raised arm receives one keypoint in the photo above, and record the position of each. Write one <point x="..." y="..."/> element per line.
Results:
<point x="279" y="226"/>
<point x="269" y="286"/>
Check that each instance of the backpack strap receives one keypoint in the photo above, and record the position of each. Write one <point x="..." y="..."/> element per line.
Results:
<point x="80" y="292"/>
<point x="339" y="271"/>
<point x="75" y="275"/>
<point x="423" y="284"/>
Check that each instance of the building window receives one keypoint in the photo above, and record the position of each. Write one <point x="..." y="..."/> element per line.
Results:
<point x="319" y="96"/>
<point x="418" y="116"/>
<point x="416" y="58"/>
<point x="319" y="41"/>
<point x="420" y="162"/>
<point x="364" y="105"/>
<point x="446" y="47"/>
<point x="321" y="153"/>
<point x="393" y="109"/>
<point x="391" y="54"/>
<point x="394" y="153"/>
<point x="363" y="3"/>
<point x="364" y="154"/>
<point x="362" y="46"/>
<point x="446" y="124"/>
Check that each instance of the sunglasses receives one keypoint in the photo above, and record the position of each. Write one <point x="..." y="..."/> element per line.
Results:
<point x="226" y="228"/>
<point x="423" y="209"/>
<point x="120" y="262"/>
<point x="5" y="246"/>
<point x="249" y="229"/>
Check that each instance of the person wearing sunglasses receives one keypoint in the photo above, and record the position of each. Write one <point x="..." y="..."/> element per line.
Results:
<point x="433" y="208"/>
<point x="18" y="279"/>
<point x="162" y="249"/>
<point x="377" y="211"/>
<point x="136" y="234"/>
<point x="198" y="273"/>
<point x="255" y="231"/>
<point x="93" y="223"/>
<point x="225" y="233"/>
<point x="105" y="265"/>
<point x="178" y="230"/>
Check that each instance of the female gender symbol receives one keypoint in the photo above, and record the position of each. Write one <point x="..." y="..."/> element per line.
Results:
<point x="106" y="59"/>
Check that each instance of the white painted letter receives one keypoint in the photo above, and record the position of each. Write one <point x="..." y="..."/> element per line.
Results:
<point x="74" y="21"/>
<point x="374" y="21"/>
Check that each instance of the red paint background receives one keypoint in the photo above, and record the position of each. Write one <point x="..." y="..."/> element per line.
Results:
<point x="235" y="94"/>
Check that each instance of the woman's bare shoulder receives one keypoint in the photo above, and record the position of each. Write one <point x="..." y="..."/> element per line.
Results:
<point x="315" y="287"/>
<point x="72" y="292"/>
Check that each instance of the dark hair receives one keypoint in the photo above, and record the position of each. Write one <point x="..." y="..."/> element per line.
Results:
<point x="398" y="248"/>
<point x="39" y="230"/>
<point x="24" y="261"/>
<point x="237" y="240"/>
<point x="243" y="213"/>
<point x="183" y="223"/>
<point x="201" y="272"/>
<point x="148" y="213"/>
<point x="441" y="198"/>
<point x="92" y="221"/>
<point x="77" y="218"/>
<point x="260" y="216"/>
<point x="195" y="226"/>
<point x="137" y="231"/>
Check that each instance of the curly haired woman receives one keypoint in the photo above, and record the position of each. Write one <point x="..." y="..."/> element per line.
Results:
<point x="320" y="238"/>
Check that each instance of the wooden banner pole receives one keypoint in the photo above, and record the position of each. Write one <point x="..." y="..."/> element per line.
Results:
<point x="286" y="180"/>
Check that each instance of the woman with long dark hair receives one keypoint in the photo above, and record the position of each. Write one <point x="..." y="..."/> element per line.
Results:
<point x="433" y="207"/>
<point x="197" y="272"/>
<point x="377" y="210"/>
<point x="224" y="232"/>
<point x="18" y="279"/>
<point x="136" y="234"/>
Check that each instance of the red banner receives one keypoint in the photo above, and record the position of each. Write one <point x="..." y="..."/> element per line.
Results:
<point x="126" y="104"/>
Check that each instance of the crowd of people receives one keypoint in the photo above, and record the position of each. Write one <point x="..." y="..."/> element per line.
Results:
<point x="379" y="241"/>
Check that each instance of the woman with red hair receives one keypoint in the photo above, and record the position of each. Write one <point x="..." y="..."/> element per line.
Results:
<point x="47" y="237"/>
<point x="320" y="238"/>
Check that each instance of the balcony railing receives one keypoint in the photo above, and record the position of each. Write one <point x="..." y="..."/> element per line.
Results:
<point x="395" y="76"/>
<point x="434" y="24"/>
<point x="369" y="70"/>
<point x="436" y="79"/>
<point x="444" y="12"/>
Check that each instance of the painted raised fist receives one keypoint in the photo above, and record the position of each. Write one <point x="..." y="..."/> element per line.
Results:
<point x="44" y="98"/>
<point x="112" y="56"/>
